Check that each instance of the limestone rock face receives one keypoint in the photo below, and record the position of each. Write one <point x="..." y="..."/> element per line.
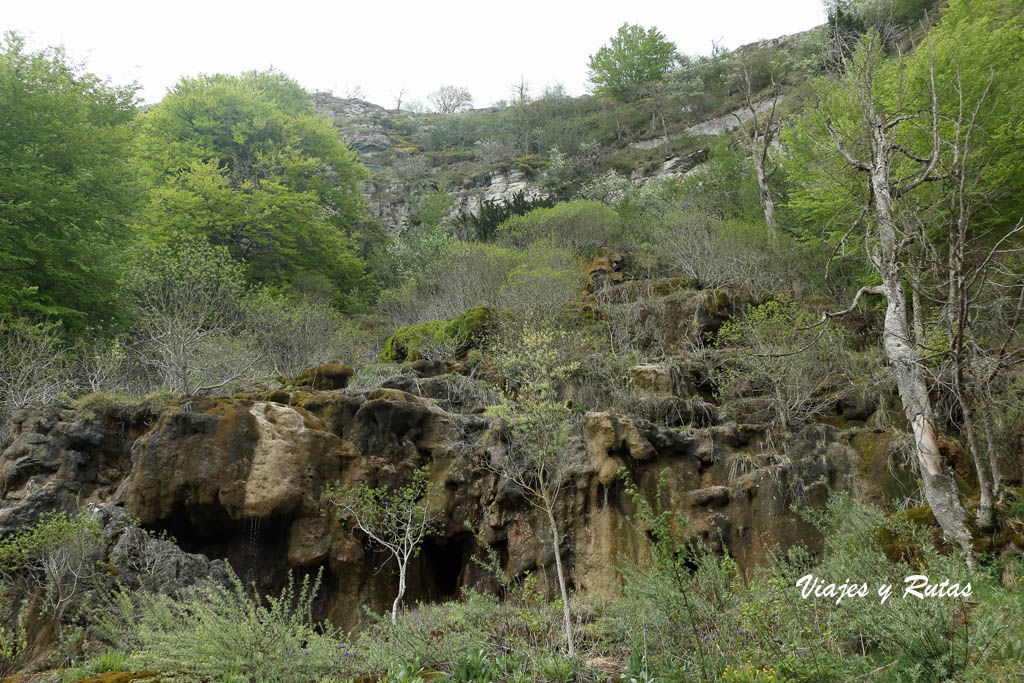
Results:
<point x="145" y="560"/>
<point x="728" y="122"/>
<point x="56" y="461"/>
<point x="245" y="482"/>
<point x="289" y="460"/>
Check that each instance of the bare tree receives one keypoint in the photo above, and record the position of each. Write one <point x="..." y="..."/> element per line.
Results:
<point x="758" y="138"/>
<point x="187" y="308"/>
<point x="32" y="366"/>
<point x="970" y="265"/>
<point x="872" y="146"/>
<point x="396" y="519"/>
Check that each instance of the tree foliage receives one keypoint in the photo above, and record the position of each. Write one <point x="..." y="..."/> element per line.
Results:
<point x="634" y="58"/>
<point x="66" y="187"/>
<point x="536" y="430"/>
<point x="246" y="163"/>
<point x="451" y="99"/>
<point x="396" y="519"/>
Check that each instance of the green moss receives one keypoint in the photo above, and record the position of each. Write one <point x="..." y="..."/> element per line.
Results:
<point x="461" y="332"/>
<point x="99" y="406"/>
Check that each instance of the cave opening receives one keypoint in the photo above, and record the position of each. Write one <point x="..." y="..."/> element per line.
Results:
<point x="444" y="563"/>
<point x="255" y="548"/>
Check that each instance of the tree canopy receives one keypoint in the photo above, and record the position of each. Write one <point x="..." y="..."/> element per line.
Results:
<point x="66" y="187"/>
<point x="451" y="99"/>
<point x="634" y="58"/>
<point x="246" y="162"/>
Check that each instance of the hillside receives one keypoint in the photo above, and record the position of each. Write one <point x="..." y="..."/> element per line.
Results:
<point x="564" y="389"/>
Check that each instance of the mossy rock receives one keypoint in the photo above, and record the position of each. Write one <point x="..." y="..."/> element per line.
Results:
<point x="122" y="677"/>
<point x="101" y="406"/>
<point x="280" y="396"/>
<point x="325" y="377"/>
<point x="897" y="548"/>
<point x="461" y="333"/>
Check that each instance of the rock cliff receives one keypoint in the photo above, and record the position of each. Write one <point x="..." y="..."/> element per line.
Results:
<point x="243" y="479"/>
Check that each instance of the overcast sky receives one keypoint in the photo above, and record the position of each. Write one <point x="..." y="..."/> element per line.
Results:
<point x="382" y="46"/>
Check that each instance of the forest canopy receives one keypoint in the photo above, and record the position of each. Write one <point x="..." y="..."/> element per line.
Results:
<point x="246" y="162"/>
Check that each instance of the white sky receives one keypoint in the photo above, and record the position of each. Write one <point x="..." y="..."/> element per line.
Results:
<point x="382" y="46"/>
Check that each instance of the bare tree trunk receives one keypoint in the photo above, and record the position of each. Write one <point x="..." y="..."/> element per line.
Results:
<point x="939" y="488"/>
<point x="981" y="466"/>
<point x="767" y="203"/>
<point x="998" y="486"/>
<point x="556" y="541"/>
<point x="957" y="333"/>
<point x="759" y="141"/>
<point x="401" y="591"/>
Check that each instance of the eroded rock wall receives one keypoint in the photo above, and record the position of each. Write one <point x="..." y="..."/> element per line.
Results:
<point x="245" y="481"/>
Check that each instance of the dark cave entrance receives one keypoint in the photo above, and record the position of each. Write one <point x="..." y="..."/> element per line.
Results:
<point x="443" y="565"/>
<point x="256" y="548"/>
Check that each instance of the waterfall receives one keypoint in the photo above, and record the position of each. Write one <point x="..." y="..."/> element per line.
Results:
<point x="254" y="544"/>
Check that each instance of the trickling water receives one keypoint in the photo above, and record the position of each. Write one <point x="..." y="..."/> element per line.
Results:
<point x="254" y="544"/>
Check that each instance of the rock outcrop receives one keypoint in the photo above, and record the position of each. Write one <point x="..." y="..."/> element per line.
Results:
<point x="245" y="481"/>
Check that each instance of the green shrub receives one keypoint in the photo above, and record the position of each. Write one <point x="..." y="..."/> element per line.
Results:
<point x="100" y="664"/>
<point x="101" y="405"/>
<point x="783" y="366"/>
<point x="447" y="337"/>
<point x="292" y="333"/>
<point x="696" y="618"/>
<point x="577" y="226"/>
<point x="220" y="631"/>
<point x="57" y="557"/>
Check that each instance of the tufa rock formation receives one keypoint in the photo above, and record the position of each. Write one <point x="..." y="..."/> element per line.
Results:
<point x="244" y="480"/>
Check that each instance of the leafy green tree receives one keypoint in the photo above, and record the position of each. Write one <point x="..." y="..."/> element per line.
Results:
<point x="937" y="135"/>
<point x="396" y="519"/>
<point x="247" y="163"/>
<point x="67" y="187"/>
<point x="536" y="430"/>
<point x="634" y="59"/>
<point x="451" y="99"/>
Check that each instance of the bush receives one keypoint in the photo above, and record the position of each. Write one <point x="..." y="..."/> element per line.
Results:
<point x="725" y="185"/>
<point x="781" y="366"/>
<point x="577" y="226"/>
<point x="476" y="638"/>
<point x="438" y="339"/>
<point x="58" y="556"/>
<point x="291" y="334"/>
<point x="481" y="226"/>
<point x="33" y="366"/>
<point x="103" y="663"/>
<point x="719" y="253"/>
<point x="187" y="298"/>
<point x="222" y="631"/>
<point x="534" y="282"/>
<point x="695" y="617"/>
